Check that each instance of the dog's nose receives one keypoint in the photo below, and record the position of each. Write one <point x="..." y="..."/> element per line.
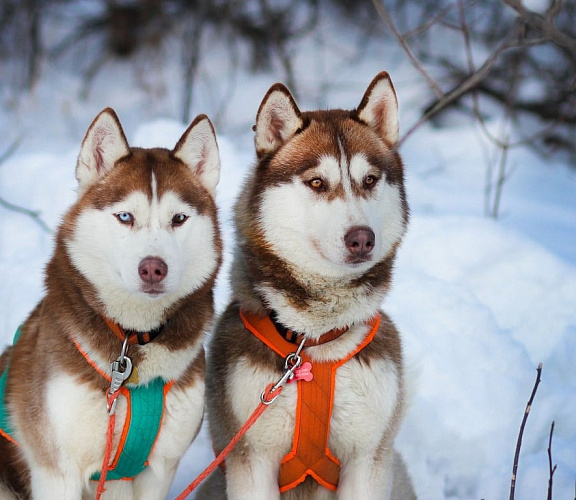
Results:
<point x="360" y="241"/>
<point x="152" y="270"/>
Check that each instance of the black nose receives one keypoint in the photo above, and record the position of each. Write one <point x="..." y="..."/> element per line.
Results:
<point x="359" y="241"/>
<point x="152" y="270"/>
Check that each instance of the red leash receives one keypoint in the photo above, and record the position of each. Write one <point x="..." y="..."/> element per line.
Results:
<point x="291" y="365"/>
<point x="120" y="371"/>
<point x="267" y="397"/>
<point x="111" y="399"/>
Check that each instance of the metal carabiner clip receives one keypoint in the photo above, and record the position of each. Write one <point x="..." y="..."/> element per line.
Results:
<point x="291" y="363"/>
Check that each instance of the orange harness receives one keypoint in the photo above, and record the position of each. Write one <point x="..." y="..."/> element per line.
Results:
<point x="310" y="455"/>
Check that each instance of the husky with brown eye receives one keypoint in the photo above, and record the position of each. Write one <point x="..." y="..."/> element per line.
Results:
<point x="319" y="222"/>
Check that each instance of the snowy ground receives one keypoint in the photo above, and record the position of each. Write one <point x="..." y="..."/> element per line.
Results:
<point x="480" y="303"/>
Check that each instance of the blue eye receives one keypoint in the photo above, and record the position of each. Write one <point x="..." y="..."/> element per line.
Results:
<point x="179" y="219"/>
<point x="125" y="217"/>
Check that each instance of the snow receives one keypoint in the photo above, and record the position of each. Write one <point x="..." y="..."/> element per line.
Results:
<point x="479" y="302"/>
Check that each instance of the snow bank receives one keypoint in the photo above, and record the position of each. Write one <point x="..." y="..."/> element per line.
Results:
<point x="480" y="306"/>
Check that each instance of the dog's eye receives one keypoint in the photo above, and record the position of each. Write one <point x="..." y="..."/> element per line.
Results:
<point x="370" y="181"/>
<point x="179" y="219"/>
<point x="316" y="183"/>
<point x="125" y="218"/>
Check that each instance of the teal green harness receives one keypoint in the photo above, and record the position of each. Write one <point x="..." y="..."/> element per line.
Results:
<point x="143" y="420"/>
<point x="145" y="407"/>
<point x="6" y="429"/>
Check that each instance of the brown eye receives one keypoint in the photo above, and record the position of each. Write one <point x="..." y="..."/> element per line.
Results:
<point x="370" y="180"/>
<point x="179" y="219"/>
<point x="316" y="183"/>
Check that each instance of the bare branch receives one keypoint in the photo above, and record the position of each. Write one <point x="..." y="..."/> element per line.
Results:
<point x="13" y="147"/>
<point x="521" y="433"/>
<point x="15" y="208"/>
<point x="553" y="10"/>
<point x="552" y="469"/>
<point x="34" y="215"/>
<point x="462" y="88"/>
<point x="544" y="26"/>
<point x="383" y="12"/>
<point x="429" y="23"/>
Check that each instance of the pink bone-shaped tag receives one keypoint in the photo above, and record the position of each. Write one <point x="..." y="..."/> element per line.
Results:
<point x="303" y="372"/>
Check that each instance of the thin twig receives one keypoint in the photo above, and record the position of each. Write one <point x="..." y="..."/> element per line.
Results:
<point x="463" y="87"/>
<point x="33" y="214"/>
<point x="551" y="468"/>
<point x="520" y="434"/>
<point x="15" y="208"/>
<point x="383" y="12"/>
<point x="419" y="30"/>
<point x="13" y="147"/>
<point x="545" y="26"/>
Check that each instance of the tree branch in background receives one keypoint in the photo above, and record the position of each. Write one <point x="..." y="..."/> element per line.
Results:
<point x="6" y="154"/>
<point x="464" y="86"/>
<point x="471" y="82"/>
<point x="512" y="62"/>
<point x="35" y="215"/>
<point x="545" y="26"/>
<point x="403" y="41"/>
<point x="521" y="433"/>
<point x="552" y="469"/>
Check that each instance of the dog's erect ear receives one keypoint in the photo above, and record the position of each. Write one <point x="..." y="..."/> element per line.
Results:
<point x="198" y="149"/>
<point x="103" y="145"/>
<point x="379" y="108"/>
<point x="277" y="120"/>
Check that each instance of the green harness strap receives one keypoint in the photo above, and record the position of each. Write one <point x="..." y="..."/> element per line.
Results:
<point x="143" y="419"/>
<point x="5" y="425"/>
<point x="146" y="408"/>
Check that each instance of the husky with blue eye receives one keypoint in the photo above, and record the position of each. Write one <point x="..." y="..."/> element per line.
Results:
<point x="318" y="223"/>
<point x="131" y="279"/>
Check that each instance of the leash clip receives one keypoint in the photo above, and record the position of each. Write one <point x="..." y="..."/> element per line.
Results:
<point x="121" y="370"/>
<point x="291" y="364"/>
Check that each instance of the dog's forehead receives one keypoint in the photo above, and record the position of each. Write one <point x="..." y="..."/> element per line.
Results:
<point x="153" y="172"/>
<point x="329" y="141"/>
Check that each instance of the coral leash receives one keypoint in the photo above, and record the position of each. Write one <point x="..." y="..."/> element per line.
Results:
<point x="267" y="397"/>
<point x="120" y="371"/>
<point x="108" y="453"/>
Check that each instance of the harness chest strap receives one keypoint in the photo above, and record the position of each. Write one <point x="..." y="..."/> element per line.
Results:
<point x="144" y="414"/>
<point x="310" y="455"/>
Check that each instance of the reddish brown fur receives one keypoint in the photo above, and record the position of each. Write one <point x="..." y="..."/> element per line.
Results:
<point x="71" y="307"/>
<point x="319" y="137"/>
<point x="322" y="133"/>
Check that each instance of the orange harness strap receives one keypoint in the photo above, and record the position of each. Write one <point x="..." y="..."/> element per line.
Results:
<point x="310" y="455"/>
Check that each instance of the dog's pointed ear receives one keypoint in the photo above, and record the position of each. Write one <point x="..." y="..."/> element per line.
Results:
<point x="198" y="149"/>
<point x="277" y="121"/>
<point x="103" y="145"/>
<point x="379" y="108"/>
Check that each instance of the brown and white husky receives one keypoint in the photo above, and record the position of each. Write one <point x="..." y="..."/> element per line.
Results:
<point x="319" y="221"/>
<point x="135" y="256"/>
